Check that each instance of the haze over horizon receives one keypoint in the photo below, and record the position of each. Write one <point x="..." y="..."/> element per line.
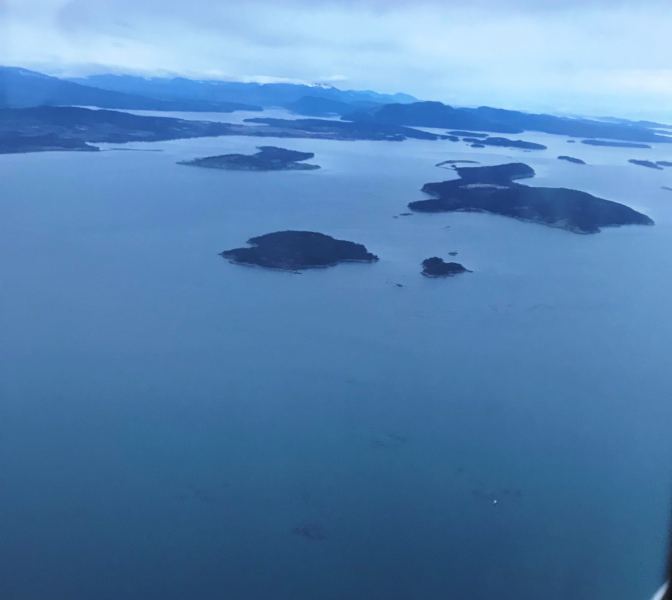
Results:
<point x="507" y="53"/>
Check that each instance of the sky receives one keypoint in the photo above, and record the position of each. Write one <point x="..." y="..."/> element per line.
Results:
<point x="594" y="57"/>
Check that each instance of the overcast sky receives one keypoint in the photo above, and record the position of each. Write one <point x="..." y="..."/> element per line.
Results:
<point x="588" y="56"/>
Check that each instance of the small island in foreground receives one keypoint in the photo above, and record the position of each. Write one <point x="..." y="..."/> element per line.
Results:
<point x="493" y="190"/>
<point x="295" y="250"/>
<point x="437" y="267"/>
<point x="269" y="158"/>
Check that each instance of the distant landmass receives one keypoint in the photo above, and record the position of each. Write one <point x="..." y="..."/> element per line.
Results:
<point x="295" y="250"/>
<point x="342" y="130"/>
<point x="493" y="190"/>
<point x="319" y="100"/>
<point x="67" y="128"/>
<point x="314" y="106"/>
<point x="22" y="88"/>
<point x="11" y="143"/>
<point x="612" y="144"/>
<point x="503" y="142"/>
<point x="484" y="118"/>
<point x="269" y="158"/>
<point x="470" y="134"/>
<point x="72" y="128"/>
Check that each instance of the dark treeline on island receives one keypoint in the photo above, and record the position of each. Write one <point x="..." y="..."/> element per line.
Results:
<point x="494" y="175"/>
<point x="494" y="190"/>
<point x="503" y="142"/>
<point x="269" y="158"/>
<point x="469" y="134"/>
<point x="295" y="250"/>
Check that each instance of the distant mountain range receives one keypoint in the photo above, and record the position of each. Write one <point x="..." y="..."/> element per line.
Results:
<point x="325" y="98"/>
<point x="21" y="88"/>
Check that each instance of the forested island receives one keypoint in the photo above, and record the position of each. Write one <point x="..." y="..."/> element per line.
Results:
<point x="494" y="190"/>
<point x="269" y="158"/>
<point x="437" y="267"/>
<point x="503" y="142"/>
<point x="295" y="250"/>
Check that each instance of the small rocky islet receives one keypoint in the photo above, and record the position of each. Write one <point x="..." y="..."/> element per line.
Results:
<point x="455" y="162"/>
<point x="296" y="250"/>
<point x="494" y="190"/>
<point x="437" y="267"/>
<point x="645" y="163"/>
<point x="268" y="158"/>
<point x="659" y="165"/>
<point x="572" y="159"/>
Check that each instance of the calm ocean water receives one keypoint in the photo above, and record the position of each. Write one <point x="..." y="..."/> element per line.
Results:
<point x="168" y="419"/>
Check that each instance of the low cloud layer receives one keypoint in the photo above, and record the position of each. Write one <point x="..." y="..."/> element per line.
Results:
<point x="588" y="56"/>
